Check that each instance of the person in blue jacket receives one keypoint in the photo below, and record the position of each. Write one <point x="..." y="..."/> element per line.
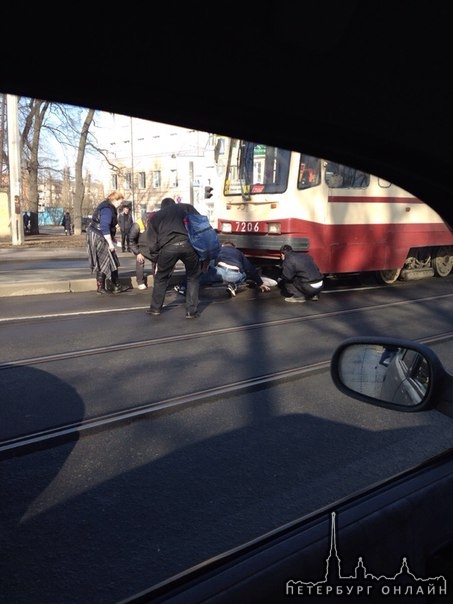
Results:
<point x="235" y="268"/>
<point x="231" y="267"/>
<point x="101" y="243"/>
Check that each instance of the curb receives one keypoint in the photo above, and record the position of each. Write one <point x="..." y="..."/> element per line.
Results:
<point x="47" y="287"/>
<point x="63" y="286"/>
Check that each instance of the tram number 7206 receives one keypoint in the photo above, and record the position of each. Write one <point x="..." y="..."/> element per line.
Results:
<point x="246" y="227"/>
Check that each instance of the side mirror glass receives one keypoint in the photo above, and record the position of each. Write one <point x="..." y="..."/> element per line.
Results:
<point x="388" y="372"/>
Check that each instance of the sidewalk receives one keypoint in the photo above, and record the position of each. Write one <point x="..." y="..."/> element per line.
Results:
<point x="26" y="271"/>
<point x="49" y="267"/>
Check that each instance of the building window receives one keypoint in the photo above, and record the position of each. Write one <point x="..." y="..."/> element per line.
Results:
<point x="141" y="180"/>
<point x="114" y="181"/>
<point x="156" y="179"/>
<point x="128" y="181"/>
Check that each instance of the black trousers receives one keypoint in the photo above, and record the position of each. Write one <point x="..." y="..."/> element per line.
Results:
<point x="168" y="257"/>
<point x="302" y="288"/>
<point x="125" y="242"/>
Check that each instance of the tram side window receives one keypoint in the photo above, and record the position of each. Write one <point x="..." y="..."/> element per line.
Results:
<point x="309" y="172"/>
<point x="344" y="177"/>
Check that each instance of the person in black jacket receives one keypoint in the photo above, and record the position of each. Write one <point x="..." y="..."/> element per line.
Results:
<point x="66" y="223"/>
<point x="301" y="277"/>
<point x="26" y="219"/>
<point x="125" y="222"/>
<point x="168" y="242"/>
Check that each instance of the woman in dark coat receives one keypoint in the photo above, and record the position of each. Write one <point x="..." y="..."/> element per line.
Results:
<point x="66" y="223"/>
<point x="101" y="244"/>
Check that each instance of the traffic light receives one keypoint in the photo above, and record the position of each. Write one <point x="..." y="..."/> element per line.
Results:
<point x="208" y="192"/>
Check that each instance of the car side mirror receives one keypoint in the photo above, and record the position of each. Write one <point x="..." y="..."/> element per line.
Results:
<point x="392" y="373"/>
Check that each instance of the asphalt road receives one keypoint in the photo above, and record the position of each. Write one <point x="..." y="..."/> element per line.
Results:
<point x="103" y="517"/>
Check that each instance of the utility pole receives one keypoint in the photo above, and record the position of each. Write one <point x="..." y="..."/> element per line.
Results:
<point x="17" y="230"/>
<point x="132" y="171"/>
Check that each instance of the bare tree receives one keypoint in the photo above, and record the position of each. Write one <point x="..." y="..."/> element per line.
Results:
<point x="30" y="138"/>
<point x="43" y="123"/>
<point x="79" y="192"/>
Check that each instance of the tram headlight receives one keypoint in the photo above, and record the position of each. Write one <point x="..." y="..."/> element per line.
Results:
<point x="227" y="227"/>
<point x="274" y="228"/>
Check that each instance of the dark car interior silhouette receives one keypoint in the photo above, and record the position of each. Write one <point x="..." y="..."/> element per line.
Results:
<point x="366" y="84"/>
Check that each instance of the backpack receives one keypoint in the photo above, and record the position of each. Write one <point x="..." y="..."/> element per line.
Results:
<point x="202" y="236"/>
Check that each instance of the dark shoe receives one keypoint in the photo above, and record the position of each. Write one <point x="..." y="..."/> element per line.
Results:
<point x="231" y="290"/>
<point x="195" y="315"/>
<point x="101" y="284"/>
<point x="119" y="289"/>
<point x="155" y="313"/>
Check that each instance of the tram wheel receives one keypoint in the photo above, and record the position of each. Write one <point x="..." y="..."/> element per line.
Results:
<point x="443" y="261"/>
<point x="388" y="276"/>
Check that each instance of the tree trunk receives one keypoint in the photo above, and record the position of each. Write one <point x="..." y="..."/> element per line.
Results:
<point x="79" y="192"/>
<point x="38" y="112"/>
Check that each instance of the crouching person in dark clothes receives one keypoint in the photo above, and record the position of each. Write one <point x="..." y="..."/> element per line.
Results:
<point x="301" y="277"/>
<point x="139" y="247"/>
<point x="101" y="245"/>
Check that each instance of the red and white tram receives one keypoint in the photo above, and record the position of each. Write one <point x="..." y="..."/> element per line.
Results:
<point x="351" y="222"/>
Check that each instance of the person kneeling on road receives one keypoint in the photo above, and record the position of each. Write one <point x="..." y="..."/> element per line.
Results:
<point x="230" y="267"/>
<point x="301" y="277"/>
<point x="235" y="268"/>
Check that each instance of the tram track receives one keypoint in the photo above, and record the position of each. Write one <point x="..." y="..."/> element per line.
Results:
<point x="50" y="436"/>
<point x="216" y="332"/>
<point x="58" y="435"/>
<point x="336" y="290"/>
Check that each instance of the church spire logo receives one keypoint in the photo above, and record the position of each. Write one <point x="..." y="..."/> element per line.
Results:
<point x="362" y="582"/>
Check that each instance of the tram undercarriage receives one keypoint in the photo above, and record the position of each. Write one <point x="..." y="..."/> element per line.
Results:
<point x="421" y="263"/>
